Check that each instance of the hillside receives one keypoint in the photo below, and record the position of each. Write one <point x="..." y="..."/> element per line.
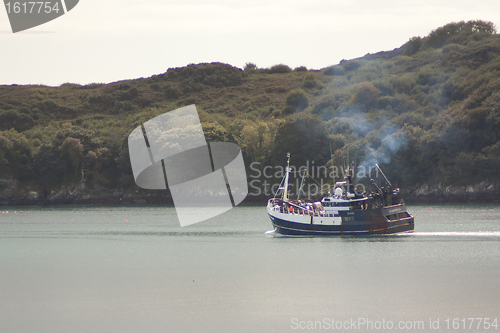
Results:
<point x="427" y="112"/>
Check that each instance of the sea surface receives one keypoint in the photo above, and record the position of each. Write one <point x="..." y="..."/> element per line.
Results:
<point x="134" y="269"/>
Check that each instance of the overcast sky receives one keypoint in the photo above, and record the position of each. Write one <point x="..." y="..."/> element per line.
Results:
<point x="111" y="40"/>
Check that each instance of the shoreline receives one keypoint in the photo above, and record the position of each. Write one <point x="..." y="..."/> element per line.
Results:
<point x="157" y="200"/>
<point x="79" y="194"/>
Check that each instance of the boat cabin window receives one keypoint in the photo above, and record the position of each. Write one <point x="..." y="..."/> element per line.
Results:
<point x="335" y="204"/>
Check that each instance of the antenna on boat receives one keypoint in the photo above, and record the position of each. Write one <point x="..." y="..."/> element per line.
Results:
<point x="303" y="175"/>
<point x="331" y="160"/>
<point x="386" y="180"/>
<point x="347" y="161"/>
<point x="287" y="172"/>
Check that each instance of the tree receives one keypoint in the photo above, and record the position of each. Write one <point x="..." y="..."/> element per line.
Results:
<point x="17" y="151"/>
<point x="250" y="67"/>
<point x="257" y="139"/>
<point x="72" y="149"/>
<point x="280" y="68"/>
<point x="94" y="162"/>
<point x="16" y="120"/>
<point x="458" y="32"/>
<point x="296" y="101"/>
<point x="366" y="95"/>
<point x="306" y="137"/>
<point x="85" y="153"/>
<point x="214" y="132"/>
<point x="50" y="167"/>
<point x="5" y="146"/>
<point x="412" y="46"/>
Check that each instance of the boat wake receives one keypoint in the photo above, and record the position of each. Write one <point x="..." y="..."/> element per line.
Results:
<point x="273" y="233"/>
<point x="492" y="234"/>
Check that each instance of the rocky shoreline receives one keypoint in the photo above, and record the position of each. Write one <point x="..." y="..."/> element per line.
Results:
<point x="77" y="194"/>
<point x="11" y="194"/>
<point x="481" y="192"/>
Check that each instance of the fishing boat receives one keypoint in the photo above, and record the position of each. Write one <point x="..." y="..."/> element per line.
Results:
<point x="343" y="212"/>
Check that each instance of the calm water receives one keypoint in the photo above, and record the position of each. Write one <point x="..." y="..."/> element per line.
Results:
<point x="133" y="269"/>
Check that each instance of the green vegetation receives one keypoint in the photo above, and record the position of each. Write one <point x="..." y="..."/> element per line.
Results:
<point x="429" y="111"/>
<point x="296" y="101"/>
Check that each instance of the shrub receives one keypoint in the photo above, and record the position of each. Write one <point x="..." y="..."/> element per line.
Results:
<point x="296" y="101"/>
<point x="458" y="32"/>
<point x="128" y="94"/>
<point x="155" y="86"/>
<point x="172" y="91"/>
<point x="412" y="46"/>
<point x="213" y="74"/>
<point x="276" y="89"/>
<point x="305" y="136"/>
<point x="384" y="85"/>
<point x="403" y="83"/>
<point x="351" y="65"/>
<point x="329" y="105"/>
<point x="334" y="70"/>
<point x="309" y="81"/>
<point x="105" y="101"/>
<point x="428" y="77"/>
<point x="49" y="105"/>
<point x="70" y="86"/>
<point x="16" y="120"/>
<point x="250" y="67"/>
<point x="280" y="68"/>
<point x="366" y="94"/>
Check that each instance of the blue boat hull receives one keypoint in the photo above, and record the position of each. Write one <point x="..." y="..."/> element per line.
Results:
<point x="360" y="222"/>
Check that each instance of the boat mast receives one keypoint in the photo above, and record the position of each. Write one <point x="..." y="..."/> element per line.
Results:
<point x="331" y="160"/>
<point x="285" y="185"/>
<point x="301" y="183"/>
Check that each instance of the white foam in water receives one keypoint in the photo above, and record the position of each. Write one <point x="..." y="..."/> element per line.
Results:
<point x="272" y="233"/>
<point x="458" y="233"/>
<point x="493" y="234"/>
